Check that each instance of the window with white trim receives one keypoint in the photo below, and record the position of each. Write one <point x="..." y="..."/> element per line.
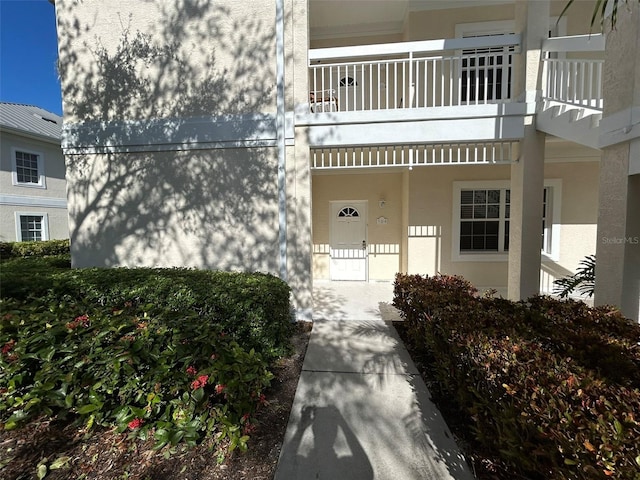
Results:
<point x="28" y="168"/>
<point x="31" y="227"/>
<point x="484" y="220"/>
<point x="482" y="212"/>
<point x="486" y="73"/>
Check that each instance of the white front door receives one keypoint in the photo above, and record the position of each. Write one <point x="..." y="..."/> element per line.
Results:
<point x="349" y="241"/>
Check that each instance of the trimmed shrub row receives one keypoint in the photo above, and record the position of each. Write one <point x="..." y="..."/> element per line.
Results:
<point x="34" y="249"/>
<point x="251" y="307"/>
<point x="176" y="354"/>
<point x="552" y="387"/>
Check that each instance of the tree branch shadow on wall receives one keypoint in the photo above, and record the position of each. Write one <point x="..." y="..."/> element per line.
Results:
<point x="137" y="200"/>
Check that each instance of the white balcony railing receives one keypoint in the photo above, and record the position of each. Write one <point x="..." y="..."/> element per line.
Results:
<point x="571" y="81"/>
<point x="410" y="156"/>
<point x="434" y="73"/>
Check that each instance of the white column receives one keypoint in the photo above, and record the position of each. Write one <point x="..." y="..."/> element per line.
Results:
<point x="404" y="252"/>
<point x="527" y="174"/>
<point x="299" y="240"/>
<point x="618" y="248"/>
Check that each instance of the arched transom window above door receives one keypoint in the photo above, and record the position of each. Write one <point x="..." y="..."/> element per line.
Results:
<point x="348" y="212"/>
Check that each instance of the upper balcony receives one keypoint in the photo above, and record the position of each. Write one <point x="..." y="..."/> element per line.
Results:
<point x="457" y="89"/>
<point x="572" y="101"/>
<point x="450" y="90"/>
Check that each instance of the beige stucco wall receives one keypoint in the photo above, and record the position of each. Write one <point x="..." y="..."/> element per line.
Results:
<point x="433" y="24"/>
<point x="139" y="60"/>
<point x="426" y="24"/>
<point x="209" y="209"/>
<point x="205" y="195"/>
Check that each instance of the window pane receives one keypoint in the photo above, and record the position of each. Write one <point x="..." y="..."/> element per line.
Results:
<point x="492" y="228"/>
<point x="506" y="236"/>
<point x="493" y="211"/>
<point x="493" y="196"/>
<point x="466" y="211"/>
<point x="479" y="228"/>
<point x="479" y="211"/>
<point x="480" y="219"/>
<point x="466" y="197"/>
<point x="491" y="242"/>
<point x="31" y="228"/>
<point x="479" y="196"/>
<point x="27" y="167"/>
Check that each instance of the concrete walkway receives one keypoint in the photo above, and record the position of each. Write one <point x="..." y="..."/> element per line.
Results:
<point x="361" y="410"/>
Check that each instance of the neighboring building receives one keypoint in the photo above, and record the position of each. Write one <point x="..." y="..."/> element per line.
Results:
<point x="351" y="140"/>
<point x="33" y="198"/>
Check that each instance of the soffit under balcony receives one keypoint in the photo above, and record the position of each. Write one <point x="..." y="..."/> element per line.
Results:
<point x="359" y="18"/>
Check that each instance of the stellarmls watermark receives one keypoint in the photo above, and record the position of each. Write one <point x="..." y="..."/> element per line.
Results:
<point x="620" y="240"/>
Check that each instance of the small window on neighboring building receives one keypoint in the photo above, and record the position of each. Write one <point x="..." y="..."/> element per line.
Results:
<point x="31" y="227"/>
<point x="27" y="169"/>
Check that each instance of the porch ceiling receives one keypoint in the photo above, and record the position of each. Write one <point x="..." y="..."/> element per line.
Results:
<point x="353" y="18"/>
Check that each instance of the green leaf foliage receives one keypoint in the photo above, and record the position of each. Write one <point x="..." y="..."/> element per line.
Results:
<point x="34" y="249"/>
<point x="551" y="386"/>
<point x="583" y="281"/>
<point x="174" y="354"/>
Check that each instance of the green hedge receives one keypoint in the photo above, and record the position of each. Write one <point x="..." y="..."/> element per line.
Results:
<point x="253" y="308"/>
<point x="34" y="249"/>
<point x="552" y="387"/>
<point x="178" y="353"/>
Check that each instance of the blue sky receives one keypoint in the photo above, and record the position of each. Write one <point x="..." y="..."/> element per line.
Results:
<point x="28" y="54"/>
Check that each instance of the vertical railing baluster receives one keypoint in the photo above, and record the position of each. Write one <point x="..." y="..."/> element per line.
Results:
<point x="355" y="89"/>
<point x="395" y="85"/>
<point x="590" y="85"/>
<point x="410" y="82"/>
<point x="416" y="85"/>
<point x="339" y="90"/>
<point x="404" y="84"/>
<point x="371" y="86"/>
<point x="434" y="83"/>
<point x="425" y="83"/>
<point x="451" y="81"/>
<point x="378" y="82"/>
<point x="362" y="68"/>
<point x="599" y="84"/>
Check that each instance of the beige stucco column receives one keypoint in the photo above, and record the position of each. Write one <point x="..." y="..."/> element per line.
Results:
<point x="527" y="174"/>
<point x="618" y="247"/>
<point x="299" y="242"/>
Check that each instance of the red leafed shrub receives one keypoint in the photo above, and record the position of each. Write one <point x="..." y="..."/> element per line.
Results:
<point x="553" y="386"/>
